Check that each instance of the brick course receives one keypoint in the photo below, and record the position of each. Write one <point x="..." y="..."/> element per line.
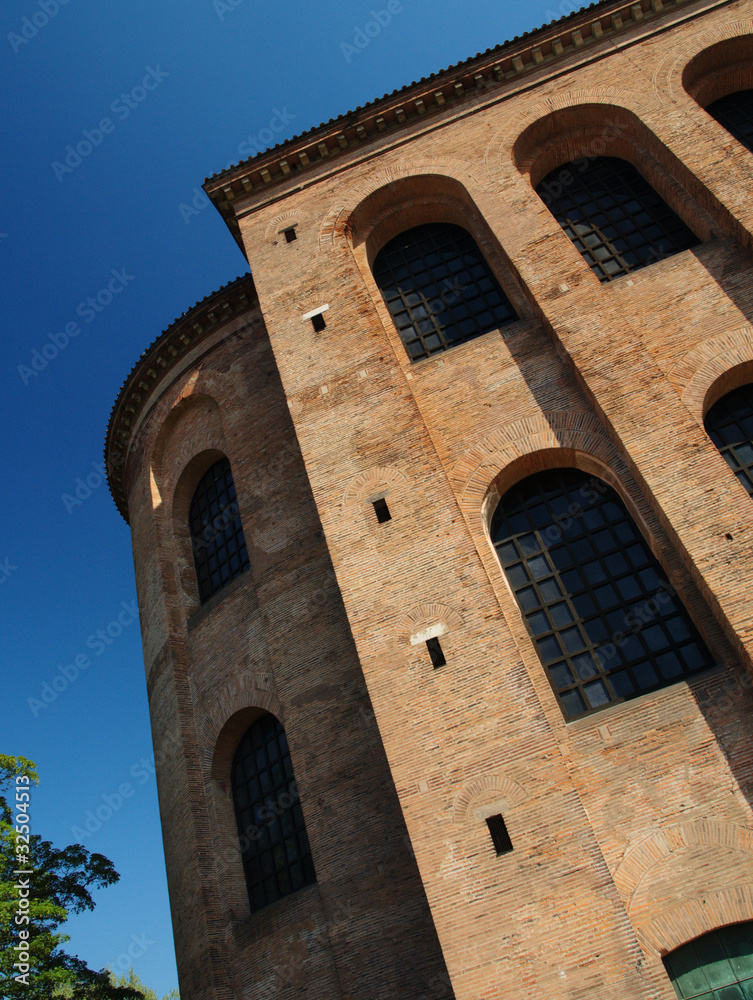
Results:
<point x="631" y="827"/>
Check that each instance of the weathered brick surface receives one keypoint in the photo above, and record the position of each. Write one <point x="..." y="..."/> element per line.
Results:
<point x="632" y="827"/>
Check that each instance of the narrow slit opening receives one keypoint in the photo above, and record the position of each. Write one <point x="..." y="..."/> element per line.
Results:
<point x="318" y="322"/>
<point x="382" y="510"/>
<point x="435" y="652"/>
<point x="500" y="836"/>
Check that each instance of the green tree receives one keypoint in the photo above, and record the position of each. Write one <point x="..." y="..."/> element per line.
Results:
<point x="39" y="886"/>
<point x="133" y="982"/>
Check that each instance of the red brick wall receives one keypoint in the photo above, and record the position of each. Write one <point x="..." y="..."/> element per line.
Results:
<point x="631" y="827"/>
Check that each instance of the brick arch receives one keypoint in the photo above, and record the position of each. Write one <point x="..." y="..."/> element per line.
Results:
<point x="335" y="229"/>
<point x="235" y="704"/>
<point x="670" y="72"/>
<point x="490" y="788"/>
<point x="714" y="368"/>
<point x="641" y="859"/>
<point x="196" y="389"/>
<point x="513" y="126"/>
<point x="421" y="616"/>
<point x="568" y="435"/>
<point x="284" y="221"/>
<point x="693" y="918"/>
<point x="368" y="483"/>
<point x="721" y="846"/>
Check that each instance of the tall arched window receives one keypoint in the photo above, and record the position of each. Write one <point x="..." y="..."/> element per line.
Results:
<point x="606" y="623"/>
<point x="612" y="215"/>
<point x="717" y="966"/>
<point x="729" y="424"/>
<point x="439" y="289"/>
<point x="219" y="548"/>
<point x="275" y="848"/>
<point x="735" y="113"/>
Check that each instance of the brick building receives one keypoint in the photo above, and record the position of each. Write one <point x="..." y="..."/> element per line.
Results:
<point x="442" y="531"/>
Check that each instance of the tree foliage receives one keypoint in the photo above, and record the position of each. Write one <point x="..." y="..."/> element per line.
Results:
<point x="39" y="886"/>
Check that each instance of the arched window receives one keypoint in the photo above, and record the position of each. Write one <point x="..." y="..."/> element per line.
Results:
<point x="219" y="548"/>
<point x="439" y="288"/>
<point x="606" y="623"/>
<point x="717" y="966"/>
<point x="729" y="424"/>
<point x="276" y="852"/>
<point x="612" y="215"/>
<point x="735" y="113"/>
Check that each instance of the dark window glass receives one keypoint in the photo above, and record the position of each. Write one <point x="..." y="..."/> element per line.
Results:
<point x="612" y="215"/>
<point x="275" y="848"/>
<point x="219" y="548"/>
<point x="735" y="113"/>
<point x="439" y="288"/>
<point x="605" y="622"/>
<point x="717" y="966"/>
<point x="729" y="424"/>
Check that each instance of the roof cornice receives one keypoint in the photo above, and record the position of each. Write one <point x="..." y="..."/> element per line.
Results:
<point x="158" y="359"/>
<point x="487" y="72"/>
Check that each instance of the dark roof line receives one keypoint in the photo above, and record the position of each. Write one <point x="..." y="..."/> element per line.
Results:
<point x="408" y="86"/>
<point x="183" y="343"/>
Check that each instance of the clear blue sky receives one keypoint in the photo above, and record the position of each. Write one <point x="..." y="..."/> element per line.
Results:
<point x="217" y="73"/>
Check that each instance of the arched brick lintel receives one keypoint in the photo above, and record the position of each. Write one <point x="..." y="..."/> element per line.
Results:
<point x="523" y="447"/>
<point x="640" y="860"/>
<point x="695" y="917"/>
<point x="233" y="708"/>
<point x="713" y="369"/>
<point x="492" y="787"/>
<point x="684" y="73"/>
<point x="373" y="197"/>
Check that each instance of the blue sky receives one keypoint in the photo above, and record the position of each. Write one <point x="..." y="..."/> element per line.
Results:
<point x="112" y="116"/>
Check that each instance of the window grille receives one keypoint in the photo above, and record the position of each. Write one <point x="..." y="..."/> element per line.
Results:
<point x="729" y="424"/>
<point x="613" y="216"/>
<point x="439" y="289"/>
<point x="606" y="624"/>
<point x="717" y="966"/>
<point x="219" y="548"/>
<point x="275" y="848"/>
<point x="735" y="113"/>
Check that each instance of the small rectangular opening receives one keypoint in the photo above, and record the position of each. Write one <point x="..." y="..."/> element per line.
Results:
<point x="435" y="652"/>
<point x="318" y="322"/>
<point x="382" y="510"/>
<point x="289" y="234"/>
<point x="500" y="836"/>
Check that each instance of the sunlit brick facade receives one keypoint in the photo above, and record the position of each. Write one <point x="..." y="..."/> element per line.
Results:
<point x="372" y="433"/>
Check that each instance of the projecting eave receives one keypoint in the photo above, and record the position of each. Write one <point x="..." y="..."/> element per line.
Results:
<point x="158" y="359"/>
<point x="481" y="77"/>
